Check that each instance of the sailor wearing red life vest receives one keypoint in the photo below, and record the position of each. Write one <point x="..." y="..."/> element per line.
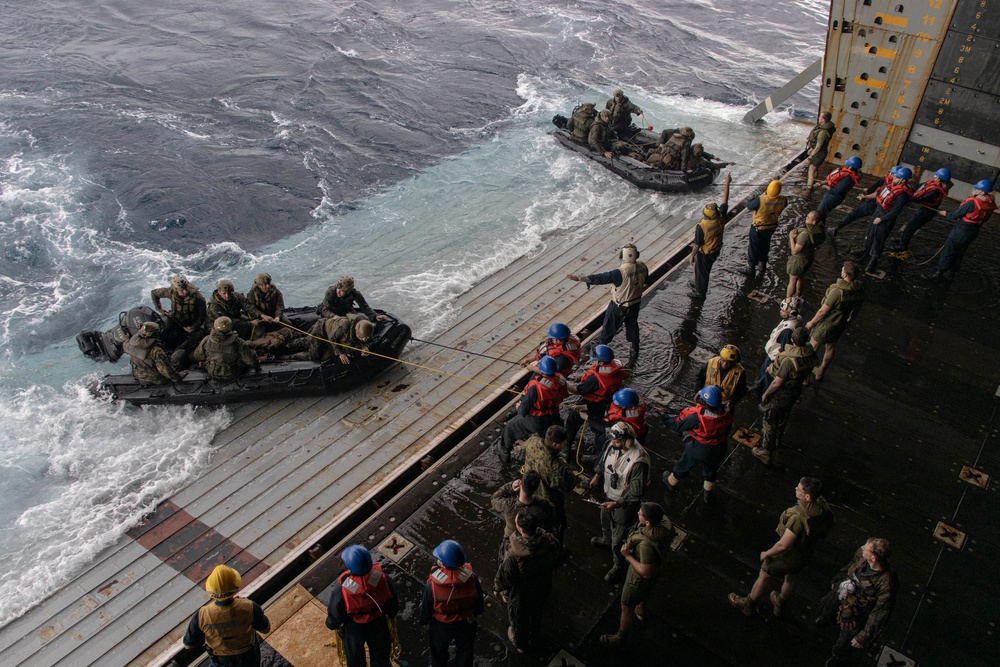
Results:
<point x="839" y="182"/>
<point x="928" y="198"/>
<point x="868" y="204"/>
<point x="562" y="345"/>
<point x="597" y="386"/>
<point x="538" y="409"/>
<point x="891" y="199"/>
<point x="707" y="425"/>
<point x="453" y="597"/>
<point x="362" y="600"/>
<point x="969" y="218"/>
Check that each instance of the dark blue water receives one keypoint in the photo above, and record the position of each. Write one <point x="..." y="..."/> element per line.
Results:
<point x="404" y="143"/>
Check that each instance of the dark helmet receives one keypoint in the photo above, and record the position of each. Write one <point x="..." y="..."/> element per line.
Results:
<point x="357" y="559"/>
<point x="904" y="173"/>
<point x="626" y="398"/>
<point x="450" y="553"/>
<point x="943" y="174"/>
<point x="604" y="354"/>
<point x="345" y="283"/>
<point x="853" y="163"/>
<point x="559" y="331"/>
<point x="547" y="366"/>
<point x="687" y="132"/>
<point x="148" y="329"/>
<point x="711" y="396"/>
<point x="262" y="279"/>
<point x="985" y="185"/>
<point x="223" y="324"/>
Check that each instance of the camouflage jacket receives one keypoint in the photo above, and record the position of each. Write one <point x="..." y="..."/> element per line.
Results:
<point x="556" y="474"/>
<point x="621" y="115"/>
<point x="600" y="137"/>
<point x="226" y="355"/>
<point x="872" y="603"/>
<point x="582" y="120"/>
<point x="335" y="330"/>
<point x="340" y="306"/>
<point x="271" y="302"/>
<point x="233" y="308"/>
<point x="150" y="362"/>
<point x="506" y="501"/>
<point x="189" y="311"/>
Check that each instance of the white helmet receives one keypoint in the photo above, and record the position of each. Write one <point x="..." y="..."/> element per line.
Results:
<point x="629" y="254"/>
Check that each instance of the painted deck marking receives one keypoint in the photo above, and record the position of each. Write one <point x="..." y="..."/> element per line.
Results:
<point x="395" y="547"/>
<point x="758" y="296"/>
<point x="564" y="659"/>
<point x="746" y="437"/>
<point x="679" y="536"/>
<point x="660" y="396"/>
<point x="190" y="546"/>
<point x="889" y="657"/>
<point x="953" y="537"/>
<point x="701" y="354"/>
<point x="975" y="477"/>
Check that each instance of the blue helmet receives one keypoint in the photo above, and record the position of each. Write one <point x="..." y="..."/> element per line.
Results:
<point x="853" y="163"/>
<point x="625" y="398"/>
<point x="547" y="366"/>
<point x="711" y="396"/>
<point x="984" y="185"/>
<point x="943" y="174"/>
<point x="893" y="171"/>
<point x="604" y="354"/>
<point x="357" y="559"/>
<point x="559" y="331"/>
<point x="450" y="553"/>
<point x="904" y="173"/>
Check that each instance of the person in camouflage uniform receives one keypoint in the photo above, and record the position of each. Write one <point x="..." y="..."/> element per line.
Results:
<point x="341" y="298"/>
<point x="860" y="600"/>
<point x="522" y="494"/>
<point x="267" y="298"/>
<point x="188" y="311"/>
<point x="602" y="138"/>
<point x="818" y="144"/>
<point x="524" y="579"/>
<point x="226" y="301"/>
<point x="840" y="306"/>
<point x="581" y="120"/>
<point x="557" y="476"/>
<point x="343" y="337"/>
<point x="622" y="110"/>
<point x="789" y="371"/>
<point x="150" y="362"/>
<point x="226" y="356"/>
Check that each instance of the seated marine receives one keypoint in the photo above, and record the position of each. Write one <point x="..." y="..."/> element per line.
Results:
<point x="224" y="354"/>
<point x="344" y="337"/>
<point x="341" y="298"/>
<point x="150" y="362"/>
<point x="188" y="314"/>
<point x="226" y="301"/>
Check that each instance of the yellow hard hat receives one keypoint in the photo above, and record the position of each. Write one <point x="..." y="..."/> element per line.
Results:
<point x="774" y="188"/>
<point x="730" y="353"/>
<point x="711" y="210"/>
<point x="223" y="583"/>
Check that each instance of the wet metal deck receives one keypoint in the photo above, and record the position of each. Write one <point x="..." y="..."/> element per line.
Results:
<point x="286" y="471"/>
<point x="903" y="431"/>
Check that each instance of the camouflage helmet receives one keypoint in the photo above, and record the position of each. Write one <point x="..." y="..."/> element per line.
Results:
<point x="619" y="92"/>
<point x="148" y="329"/>
<point x="225" y="285"/>
<point x="223" y="324"/>
<point x="687" y="132"/>
<point x="262" y="279"/>
<point x="345" y="283"/>
<point x="180" y="282"/>
<point x="363" y="329"/>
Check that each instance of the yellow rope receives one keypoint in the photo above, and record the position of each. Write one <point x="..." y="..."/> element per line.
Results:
<point x="408" y="363"/>
<point x="579" y="446"/>
<point x="932" y="256"/>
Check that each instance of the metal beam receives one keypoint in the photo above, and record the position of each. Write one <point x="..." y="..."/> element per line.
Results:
<point x="783" y="93"/>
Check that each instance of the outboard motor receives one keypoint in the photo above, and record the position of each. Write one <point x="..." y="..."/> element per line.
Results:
<point x="107" y="345"/>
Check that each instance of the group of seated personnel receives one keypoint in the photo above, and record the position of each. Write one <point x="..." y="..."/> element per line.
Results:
<point x="230" y="333"/>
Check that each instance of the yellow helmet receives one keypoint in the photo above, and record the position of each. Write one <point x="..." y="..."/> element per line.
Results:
<point x="730" y="353"/>
<point x="223" y="583"/>
<point x="711" y="210"/>
<point x="774" y="188"/>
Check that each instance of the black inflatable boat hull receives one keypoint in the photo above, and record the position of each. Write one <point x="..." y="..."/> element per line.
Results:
<point x="638" y="173"/>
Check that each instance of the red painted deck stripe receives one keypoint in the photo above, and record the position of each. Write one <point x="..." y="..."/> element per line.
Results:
<point x="192" y="547"/>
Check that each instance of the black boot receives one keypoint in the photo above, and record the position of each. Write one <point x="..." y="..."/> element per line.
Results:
<point x="872" y="266"/>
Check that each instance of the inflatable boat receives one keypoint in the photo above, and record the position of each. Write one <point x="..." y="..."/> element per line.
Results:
<point x="274" y="379"/>
<point x="639" y="173"/>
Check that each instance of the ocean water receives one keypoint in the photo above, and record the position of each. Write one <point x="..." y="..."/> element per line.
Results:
<point x="403" y="143"/>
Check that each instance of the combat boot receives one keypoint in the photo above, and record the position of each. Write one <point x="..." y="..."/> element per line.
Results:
<point x="742" y="603"/>
<point x="762" y="455"/>
<point x="872" y="266"/>
<point x="612" y="641"/>
<point x="776" y="603"/>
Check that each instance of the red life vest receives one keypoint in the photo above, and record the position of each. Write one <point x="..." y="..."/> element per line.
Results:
<point x="610" y="377"/>
<point x="985" y="205"/>
<point x="570" y="348"/>
<point x="834" y="178"/>
<point x="365" y="595"/>
<point x="710" y="430"/>
<point x="634" y="417"/>
<point x="551" y="392"/>
<point x="939" y="189"/>
<point x="454" y="593"/>
<point x="887" y="196"/>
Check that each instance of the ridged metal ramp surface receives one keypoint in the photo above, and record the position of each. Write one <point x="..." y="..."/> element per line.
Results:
<point x="287" y="471"/>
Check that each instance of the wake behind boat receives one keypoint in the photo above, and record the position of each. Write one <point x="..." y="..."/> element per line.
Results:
<point x="639" y="173"/>
<point x="274" y="378"/>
